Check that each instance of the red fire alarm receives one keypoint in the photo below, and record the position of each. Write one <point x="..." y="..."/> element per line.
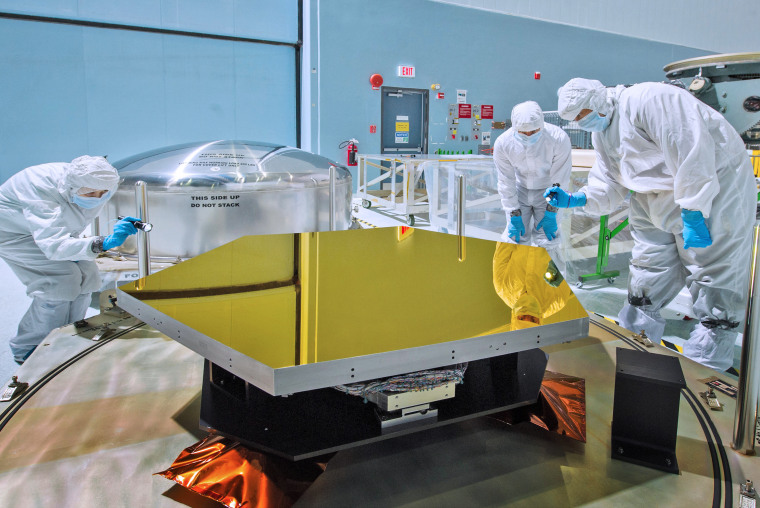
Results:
<point x="372" y="129"/>
<point x="376" y="80"/>
<point x="536" y="75"/>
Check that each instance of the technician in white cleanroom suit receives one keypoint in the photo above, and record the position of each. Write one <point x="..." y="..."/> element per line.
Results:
<point x="530" y="157"/>
<point x="43" y="210"/>
<point x="692" y="208"/>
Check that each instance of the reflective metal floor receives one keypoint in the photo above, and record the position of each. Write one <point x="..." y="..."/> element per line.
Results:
<point x="94" y="434"/>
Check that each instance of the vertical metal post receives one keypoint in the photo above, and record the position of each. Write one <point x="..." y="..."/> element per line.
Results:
<point x="392" y="197"/>
<point x="361" y="170"/>
<point x="332" y="198"/>
<point x="451" y="190"/>
<point x="143" y="241"/>
<point x="460" y="217"/>
<point x="96" y="226"/>
<point x="746" y="398"/>
<point x="405" y="188"/>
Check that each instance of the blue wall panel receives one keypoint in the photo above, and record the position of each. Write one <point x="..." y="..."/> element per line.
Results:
<point x="199" y="15"/>
<point x="42" y="95"/>
<point x="265" y="76"/>
<point x="268" y="19"/>
<point x="723" y="27"/>
<point x="42" y="7"/>
<point x="492" y="56"/>
<point x="200" y="75"/>
<point x="125" y="89"/>
<point x="133" y="12"/>
<point x="68" y="90"/>
<point x="259" y="19"/>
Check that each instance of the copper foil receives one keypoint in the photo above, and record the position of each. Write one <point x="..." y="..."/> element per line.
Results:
<point x="226" y="471"/>
<point x="561" y="407"/>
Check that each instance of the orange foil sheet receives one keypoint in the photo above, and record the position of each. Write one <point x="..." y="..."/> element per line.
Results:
<point x="228" y="472"/>
<point x="561" y="407"/>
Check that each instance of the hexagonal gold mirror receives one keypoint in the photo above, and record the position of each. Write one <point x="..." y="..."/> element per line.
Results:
<point x="296" y="312"/>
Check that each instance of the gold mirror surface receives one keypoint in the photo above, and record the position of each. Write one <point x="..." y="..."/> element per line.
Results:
<point x="293" y="299"/>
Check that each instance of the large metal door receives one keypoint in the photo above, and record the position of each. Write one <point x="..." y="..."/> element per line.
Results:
<point x="404" y="124"/>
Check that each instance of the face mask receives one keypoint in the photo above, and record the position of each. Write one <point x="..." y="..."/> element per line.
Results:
<point x="88" y="203"/>
<point x="593" y="122"/>
<point x="528" y="140"/>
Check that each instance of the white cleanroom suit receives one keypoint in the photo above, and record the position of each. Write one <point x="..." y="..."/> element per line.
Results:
<point x="520" y="280"/>
<point x="526" y="166"/>
<point x="676" y="154"/>
<point x="40" y="228"/>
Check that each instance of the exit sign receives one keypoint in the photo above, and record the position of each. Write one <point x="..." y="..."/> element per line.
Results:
<point x="405" y="72"/>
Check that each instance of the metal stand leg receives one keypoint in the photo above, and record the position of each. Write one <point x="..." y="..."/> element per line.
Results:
<point x="603" y="252"/>
<point x="143" y="239"/>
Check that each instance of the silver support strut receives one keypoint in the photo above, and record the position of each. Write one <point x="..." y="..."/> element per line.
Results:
<point x="332" y="198"/>
<point x="745" y="419"/>
<point x="143" y="240"/>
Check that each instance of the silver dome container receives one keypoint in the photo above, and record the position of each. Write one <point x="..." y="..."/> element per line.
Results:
<point x="203" y="195"/>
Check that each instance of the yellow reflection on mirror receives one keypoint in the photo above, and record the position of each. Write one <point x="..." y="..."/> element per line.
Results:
<point x="303" y="298"/>
<point x="529" y="283"/>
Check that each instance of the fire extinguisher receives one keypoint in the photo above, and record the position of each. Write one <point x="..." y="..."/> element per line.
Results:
<point x="351" y="146"/>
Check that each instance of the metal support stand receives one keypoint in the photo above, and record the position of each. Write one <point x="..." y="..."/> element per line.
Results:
<point x="461" y="180"/>
<point x="143" y="241"/>
<point x="645" y="410"/>
<point x="603" y="252"/>
<point x="746" y="398"/>
<point x="315" y="422"/>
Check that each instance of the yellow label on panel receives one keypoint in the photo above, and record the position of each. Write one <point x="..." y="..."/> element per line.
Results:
<point x="402" y="126"/>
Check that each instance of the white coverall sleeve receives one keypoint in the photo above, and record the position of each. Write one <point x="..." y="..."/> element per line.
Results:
<point x="53" y="237"/>
<point x="683" y="135"/>
<point x="562" y="164"/>
<point x="507" y="181"/>
<point x="603" y="193"/>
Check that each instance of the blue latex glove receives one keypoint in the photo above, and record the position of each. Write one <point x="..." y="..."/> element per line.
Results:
<point x="121" y="230"/>
<point x="516" y="228"/>
<point x="549" y="223"/>
<point x="561" y="199"/>
<point x="695" y="232"/>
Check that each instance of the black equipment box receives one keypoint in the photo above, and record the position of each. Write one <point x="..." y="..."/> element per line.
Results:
<point x="645" y="412"/>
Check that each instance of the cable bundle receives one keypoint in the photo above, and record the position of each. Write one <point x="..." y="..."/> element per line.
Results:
<point x="412" y="382"/>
